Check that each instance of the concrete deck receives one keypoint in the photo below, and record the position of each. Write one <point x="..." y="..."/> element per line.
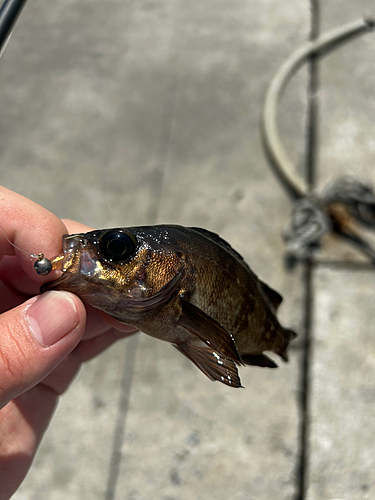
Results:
<point x="126" y="113"/>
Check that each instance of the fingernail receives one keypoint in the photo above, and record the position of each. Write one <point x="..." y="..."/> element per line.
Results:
<point x="51" y="317"/>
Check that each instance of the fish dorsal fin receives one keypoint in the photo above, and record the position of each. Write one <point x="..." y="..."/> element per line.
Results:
<point x="208" y="330"/>
<point x="274" y="297"/>
<point x="219" y="241"/>
<point x="214" y="366"/>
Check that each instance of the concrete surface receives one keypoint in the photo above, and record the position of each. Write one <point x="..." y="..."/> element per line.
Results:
<point x="126" y="113"/>
<point x="342" y="407"/>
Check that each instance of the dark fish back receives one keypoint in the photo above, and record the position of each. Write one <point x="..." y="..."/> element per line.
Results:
<point x="219" y="241"/>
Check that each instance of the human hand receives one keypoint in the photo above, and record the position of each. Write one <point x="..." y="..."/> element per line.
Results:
<point x="43" y="338"/>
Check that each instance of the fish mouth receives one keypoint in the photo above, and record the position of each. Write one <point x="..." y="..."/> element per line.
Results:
<point x="73" y="247"/>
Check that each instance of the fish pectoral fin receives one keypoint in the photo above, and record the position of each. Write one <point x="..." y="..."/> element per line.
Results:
<point x="258" y="360"/>
<point x="137" y="307"/>
<point x="208" y="330"/>
<point x="211" y="363"/>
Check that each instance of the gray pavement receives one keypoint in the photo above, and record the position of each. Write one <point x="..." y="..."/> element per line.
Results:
<point x="126" y="113"/>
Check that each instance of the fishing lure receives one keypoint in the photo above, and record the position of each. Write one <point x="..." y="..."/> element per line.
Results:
<point x="42" y="265"/>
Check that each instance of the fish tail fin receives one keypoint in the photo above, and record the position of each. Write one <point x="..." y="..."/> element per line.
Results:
<point x="285" y="337"/>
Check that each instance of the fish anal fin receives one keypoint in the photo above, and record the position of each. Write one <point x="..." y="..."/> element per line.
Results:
<point x="208" y="330"/>
<point x="258" y="360"/>
<point x="211" y="363"/>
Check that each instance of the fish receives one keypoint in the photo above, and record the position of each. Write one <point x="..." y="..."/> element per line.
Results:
<point x="183" y="285"/>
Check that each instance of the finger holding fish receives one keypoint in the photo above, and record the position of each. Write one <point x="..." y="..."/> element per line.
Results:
<point x="27" y="228"/>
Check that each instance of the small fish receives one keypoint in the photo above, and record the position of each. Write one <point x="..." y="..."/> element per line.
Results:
<point x="184" y="285"/>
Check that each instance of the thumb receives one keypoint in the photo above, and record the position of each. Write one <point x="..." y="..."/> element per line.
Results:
<point x="35" y="337"/>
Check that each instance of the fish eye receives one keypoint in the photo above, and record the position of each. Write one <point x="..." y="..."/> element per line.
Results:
<point x="117" y="245"/>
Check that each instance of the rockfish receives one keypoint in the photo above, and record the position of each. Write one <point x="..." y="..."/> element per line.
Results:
<point x="184" y="285"/>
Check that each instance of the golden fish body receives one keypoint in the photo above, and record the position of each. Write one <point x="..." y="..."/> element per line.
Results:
<point x="183" y="285"/>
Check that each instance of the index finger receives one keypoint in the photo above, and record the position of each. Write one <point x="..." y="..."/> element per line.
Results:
<point x="30" y="227"/>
